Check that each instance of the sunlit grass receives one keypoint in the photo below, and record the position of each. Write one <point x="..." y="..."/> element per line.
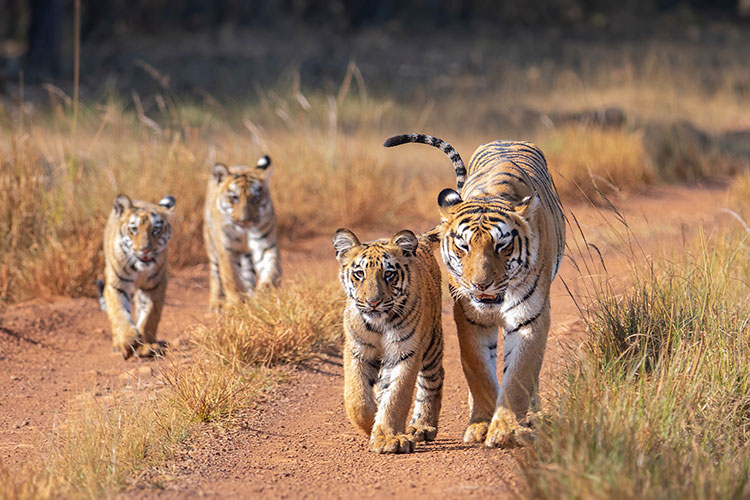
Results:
<point x="658" y="405"/>
<point x="281" y="326"/>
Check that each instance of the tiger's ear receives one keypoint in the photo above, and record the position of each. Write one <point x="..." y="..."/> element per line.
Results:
<point x="264" y="164"/>
<point x="343" y="241"/>
<point x="527" y="207"/>
<point x="168" y="202"/>
<point x="122" y="203"/>
<point x="406" y="241"/>
<point x="219" y="172"/>
<point x="447" y="200"/>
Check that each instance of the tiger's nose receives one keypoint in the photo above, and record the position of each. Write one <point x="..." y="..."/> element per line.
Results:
<point x="482" y="286"/>
<point x="373" y="303"/>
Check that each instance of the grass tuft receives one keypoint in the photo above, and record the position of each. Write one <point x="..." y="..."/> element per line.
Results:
<point x="285" y="325"/>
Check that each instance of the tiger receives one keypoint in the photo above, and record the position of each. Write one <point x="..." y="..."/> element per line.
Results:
<point x="502" y="237"/>
<point x="239" y="231"/>
<point x="393" y="338"/>
<point x="136" y="240"/>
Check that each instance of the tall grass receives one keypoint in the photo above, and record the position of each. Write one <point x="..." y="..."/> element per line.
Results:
<point x="658" y="406"/>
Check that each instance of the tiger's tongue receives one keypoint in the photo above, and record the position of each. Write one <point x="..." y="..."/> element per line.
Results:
<point x="485" y="296"/>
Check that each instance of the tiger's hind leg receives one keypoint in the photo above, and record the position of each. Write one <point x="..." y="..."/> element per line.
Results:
<point x="424" y="422"/>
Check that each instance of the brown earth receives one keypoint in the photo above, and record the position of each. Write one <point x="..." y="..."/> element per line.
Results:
<point x="295" y="441"/>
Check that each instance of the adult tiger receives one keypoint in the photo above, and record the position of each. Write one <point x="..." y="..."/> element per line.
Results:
<point x="393" y="338"/>
<point x="502" y="240"/>
<point x="135" y="254"/>
<point x="239" y="231"/>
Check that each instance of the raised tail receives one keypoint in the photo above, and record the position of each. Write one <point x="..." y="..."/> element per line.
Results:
<point x="100" y="289"/>
<point x="458" y="163"/>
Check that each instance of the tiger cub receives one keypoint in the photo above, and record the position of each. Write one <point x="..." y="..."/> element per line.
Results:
<point x="394" y="338"/>
<point x="239" y="231"/>
<point x="135" y="254"/>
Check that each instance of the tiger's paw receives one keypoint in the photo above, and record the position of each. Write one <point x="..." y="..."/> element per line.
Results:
<point x="476" y="432"/>
<point x="422" y="432"/>
<point x="151" y="349"/>
<point x="506" y="432"/>
<point x="392" y="443"/>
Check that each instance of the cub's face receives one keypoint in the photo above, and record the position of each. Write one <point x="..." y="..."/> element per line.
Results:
<point x="485" y="244"/>
<point x="243" y="192"/>
<point x="144" y="228"/>
<point x="376" y="275"/>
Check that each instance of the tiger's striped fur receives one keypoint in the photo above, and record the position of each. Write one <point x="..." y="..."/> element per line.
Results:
<point x="502" y="240"/>
<point x="394" y="338"/>
<point x="239" y="231"/>
<point x="136" y="241"/>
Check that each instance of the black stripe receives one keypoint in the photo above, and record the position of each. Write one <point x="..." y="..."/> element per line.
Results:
<point x="126" y="280"/>
<point x="406" y="337"/>
<point x="530" y="292"/>
<point x="395" y="362"/>
<point x="125" y="294"/>
<point x="525" y="323"/>
<point x="152" y="288"/>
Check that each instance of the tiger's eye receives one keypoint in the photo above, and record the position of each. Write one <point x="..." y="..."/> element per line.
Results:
<point x="389" y="275"/>
<point x="358" y="275"/>
<point x="133" y="229"/>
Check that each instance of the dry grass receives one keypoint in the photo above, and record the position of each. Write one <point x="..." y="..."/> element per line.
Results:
<point x="205" y="389"/>
<point x="100" y="448"/>
<point x="658" y="405"/>
<point x="587" y="161"/>
<point x="283" y="326"/>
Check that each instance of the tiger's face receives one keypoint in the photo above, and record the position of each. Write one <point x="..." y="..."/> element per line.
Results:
<point x="144" y="228"/>
<point x="243" y="198"/>
<point x="485" y="245"/>
<point x="376" y="275"/>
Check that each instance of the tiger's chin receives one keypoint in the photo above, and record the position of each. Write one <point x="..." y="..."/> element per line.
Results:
<point x="374" y="317"/>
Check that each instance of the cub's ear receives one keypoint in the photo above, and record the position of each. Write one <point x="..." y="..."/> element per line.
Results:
<point x="168" y="202"/>
<point x="406" y="241"/>
<point x="343" y="241"/>
<point x="447" y="200"/>
<point x="122" y="203"/>
<point x="527" y="207"/>
<point x="264" y="163"/>
<point x="219" y="172"/>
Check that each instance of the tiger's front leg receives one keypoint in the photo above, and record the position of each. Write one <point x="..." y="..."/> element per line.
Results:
<point x="125" y="334"/>
<point x="478" y="346"/>
<point x="230" y="269"/>
<point x="268" y="267"/>
<point x="523" y="354"/>
<point x="424" y="421"/>
<point x="395" y="387"/>
<point x="150" y="304"/>
<point x="361" y="365"/>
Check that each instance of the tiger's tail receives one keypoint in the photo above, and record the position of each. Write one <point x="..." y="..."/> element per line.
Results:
<point x="100" y="289"/>
<point x="458" y="163"/>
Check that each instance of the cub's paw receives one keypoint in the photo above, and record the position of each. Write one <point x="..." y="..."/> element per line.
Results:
<point x="505" y="432"/>
<point x="129" y="347"/>
<point x="392" y="443"/>
<point x="422" y="432"/>
<point x="476" y="432"/>
<point x="151" y="349"/>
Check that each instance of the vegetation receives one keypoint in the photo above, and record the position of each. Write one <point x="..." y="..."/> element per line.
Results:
<point x="658" y="405"/>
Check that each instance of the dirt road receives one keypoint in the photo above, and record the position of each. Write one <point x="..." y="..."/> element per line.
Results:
<point x="296" y="441"/>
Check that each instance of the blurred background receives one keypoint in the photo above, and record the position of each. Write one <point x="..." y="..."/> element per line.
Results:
<point x="621" y="97"/>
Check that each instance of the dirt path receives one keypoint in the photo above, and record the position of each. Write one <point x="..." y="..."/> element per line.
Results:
<point x="296" y="441"/>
